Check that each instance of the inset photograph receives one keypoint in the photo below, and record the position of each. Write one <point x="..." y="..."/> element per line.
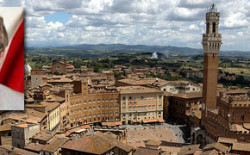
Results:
<point x="11" y="58"/>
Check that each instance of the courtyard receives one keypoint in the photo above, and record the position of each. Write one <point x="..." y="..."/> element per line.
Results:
<point x="168" y="134"/>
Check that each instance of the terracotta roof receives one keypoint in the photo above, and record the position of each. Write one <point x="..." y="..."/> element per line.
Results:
<point x="50" y="105"/>
<point x="146" y="81"/>
<point x="189" y="95"/>
<point x="89" y="144"/>
<point x="34" y="106"/>
<point x="29" y="100"/>
<point x="6" y="127"/>
<point x="241" y="146"/>
<point x="161" y="120"/>
<point x="150" y="120"/>
<point x="233" y="90"/>
<point x="46" y="84"/>
<point x="34" y="147"/>
<point x="28" y="116"/>
<point x="238" y="128"/>
<point x="110" y="124"/>
<point x="153" y="142"/>
<point x="55" y="144"/>
<point x="76" y="129"/>
<point x="189" y="149"/>
<point x="217" y="146"/>
<point x="54" y="98"/>
<point x="96" y="144"/>
<point x="137" y="90"/>
<point x="47" y="105"/>
<point x="147" y="151"/>
<point x="14" y="151"/>
<point x="177" y="82"/>
<point x="35" y="113"/>
<point x="60" y="80"/>
<point x="246" y="125"/>
<point x="226" y="140"/>
<point x="209" y="152"/>
<point x="107" y="72"/>
<point x="44" y="136"/>
<point x="22" y="125"/>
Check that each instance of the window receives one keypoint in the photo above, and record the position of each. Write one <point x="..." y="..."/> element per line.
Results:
<point x="207" y="27"/>
<point x="214" y="27"/>
<point x="130" y="98"/>
<point x="123" y="98"/>
<point x="242" y="118"/>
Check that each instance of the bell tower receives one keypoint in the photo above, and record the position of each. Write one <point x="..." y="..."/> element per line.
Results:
<point x="211" y="42"/>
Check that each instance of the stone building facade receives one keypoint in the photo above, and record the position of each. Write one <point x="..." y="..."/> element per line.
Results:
<point x="140" y="104"/>
<point x="52" y="110"/>
<point x="59" y="67"/>
<point x="177" y="87"/>
<point x="37" y="77"/>
<point x="22" y="134"/>
<point x="183" y="105"/>
<point x="87" y="105"/>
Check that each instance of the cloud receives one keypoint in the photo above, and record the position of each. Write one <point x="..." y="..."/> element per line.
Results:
<point x="150" y="22"/>
<point x="194" y="3"/>
<point x="185" y="14"/>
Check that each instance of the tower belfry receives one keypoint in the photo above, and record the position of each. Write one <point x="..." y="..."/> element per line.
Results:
<point x="211" y="42"/>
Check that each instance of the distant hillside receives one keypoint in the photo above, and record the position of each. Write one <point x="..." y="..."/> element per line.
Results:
<point x="91" y="50"/>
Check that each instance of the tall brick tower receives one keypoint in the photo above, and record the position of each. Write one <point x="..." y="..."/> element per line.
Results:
<point x="211" y="42"/>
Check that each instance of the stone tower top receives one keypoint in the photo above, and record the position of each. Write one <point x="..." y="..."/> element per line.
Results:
<point x="213" y="8"/>
<point x="211" y="40"/>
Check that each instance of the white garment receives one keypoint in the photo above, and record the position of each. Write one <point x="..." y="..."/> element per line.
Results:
<point x="10" y="99"/>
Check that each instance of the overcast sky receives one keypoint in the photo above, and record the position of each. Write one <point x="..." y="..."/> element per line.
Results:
<point x="147" y="22"/>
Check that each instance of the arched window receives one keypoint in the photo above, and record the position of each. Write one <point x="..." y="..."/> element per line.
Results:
<point x="207" y="27"/>
<point x="214" y="27"/>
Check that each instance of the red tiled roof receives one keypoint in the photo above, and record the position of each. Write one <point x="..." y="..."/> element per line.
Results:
<point x="110" y="124"/>
<point x="161" y="120"/>
<point x="76" y="129"/>
<point x="150" y="120"/>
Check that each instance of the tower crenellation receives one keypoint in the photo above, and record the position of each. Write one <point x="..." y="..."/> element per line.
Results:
<point x="211" y="40"/>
